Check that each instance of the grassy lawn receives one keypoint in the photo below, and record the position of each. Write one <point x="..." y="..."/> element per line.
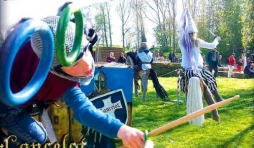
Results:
<point x="235" y="129"/>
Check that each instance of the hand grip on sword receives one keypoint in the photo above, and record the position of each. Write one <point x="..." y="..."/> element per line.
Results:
<point x="148" y="143"/>
<point x="189" y="117"/>
<point x="215" y="36"/>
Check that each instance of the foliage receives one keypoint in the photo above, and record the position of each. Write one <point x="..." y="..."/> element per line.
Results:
<point x="236" y="128"/>
<point x="143" y="37"/>
<point x="233" y="20"/>
<point x="248" y="21"/>
<point x="230" y="27"/>
<point x="162" y="36"/>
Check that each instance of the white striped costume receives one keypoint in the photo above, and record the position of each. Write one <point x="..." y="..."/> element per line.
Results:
<point x="189" y="69"/>
<point x="206" y="75"/>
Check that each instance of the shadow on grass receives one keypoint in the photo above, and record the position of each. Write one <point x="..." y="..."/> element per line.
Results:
<point x="238" y="137"/>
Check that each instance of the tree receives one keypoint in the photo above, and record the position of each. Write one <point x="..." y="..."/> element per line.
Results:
<point x="107" y="6"/>
<point x="230" y="27"/>
<point x="123" y="11"/>
<point x="138" y="7"/>
<point x="248" y="24"/>
<point x="172" y="5"/>
<point x="102" y="22"/>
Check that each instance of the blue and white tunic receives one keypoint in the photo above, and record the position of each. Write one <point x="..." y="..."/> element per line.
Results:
<point x="145" y="56"/>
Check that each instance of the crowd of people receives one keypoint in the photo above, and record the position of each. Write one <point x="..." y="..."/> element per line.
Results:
<point x="243" y="64"/>
<point x="213" y="61"/>
<point x="240" y="65"/>
<point x="111" y="58"/>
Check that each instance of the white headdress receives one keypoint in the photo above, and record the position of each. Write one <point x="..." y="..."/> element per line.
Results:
<point x="187" y="26"/>
<point x="190" y="23"/>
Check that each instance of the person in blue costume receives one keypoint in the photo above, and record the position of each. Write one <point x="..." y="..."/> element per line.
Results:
<point x="62" y="82"/>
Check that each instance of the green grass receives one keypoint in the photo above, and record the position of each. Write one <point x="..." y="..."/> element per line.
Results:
<point x="235" y="129"/>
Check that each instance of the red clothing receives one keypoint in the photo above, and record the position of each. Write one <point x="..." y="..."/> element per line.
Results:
<point x="231" y="61"/>
<point x="239" y="68"/>
<point x="23" y="69"/>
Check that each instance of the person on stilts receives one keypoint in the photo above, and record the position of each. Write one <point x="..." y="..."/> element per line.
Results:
<point x="192" y="61"/>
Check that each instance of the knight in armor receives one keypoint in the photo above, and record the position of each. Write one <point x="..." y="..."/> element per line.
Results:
<point x="144" y="58"/>
<point x="192" y="61"/>
<point x="62" y="82"/>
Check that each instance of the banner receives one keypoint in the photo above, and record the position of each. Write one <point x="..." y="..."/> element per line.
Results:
<point x="113" y="103"/>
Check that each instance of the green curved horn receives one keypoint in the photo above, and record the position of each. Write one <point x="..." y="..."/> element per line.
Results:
<point x="62" y="25"/>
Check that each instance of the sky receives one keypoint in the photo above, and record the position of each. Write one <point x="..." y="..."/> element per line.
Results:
<point x="149" y="25"/>
<point x="13" y="10"/>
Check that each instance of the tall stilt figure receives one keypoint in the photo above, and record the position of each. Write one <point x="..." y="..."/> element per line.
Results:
<point x="192" y="61"/>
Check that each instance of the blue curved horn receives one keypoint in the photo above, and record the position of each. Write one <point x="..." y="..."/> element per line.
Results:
<point x="8" y="53"/>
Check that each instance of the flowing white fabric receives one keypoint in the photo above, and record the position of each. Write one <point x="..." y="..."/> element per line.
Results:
<point x="194" y="100"/>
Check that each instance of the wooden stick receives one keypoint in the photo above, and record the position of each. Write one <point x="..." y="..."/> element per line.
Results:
<point x="189" y="117"/>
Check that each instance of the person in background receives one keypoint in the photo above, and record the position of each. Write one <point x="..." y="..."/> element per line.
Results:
<point x="172" y="56"/>
<point x="213" y="60"/>
<point x="252" y="57"/>
<point x="111" y="57"/>
<point x="251" y="74"/>
<point x="248" y="60"/>
<point x="219" y="62"/>
<point x="192" y="61"/>
<point x="161" y="55"/>
<point x="249" y="69"/>
<point x="240" y="65"/>
<point x="144" y="58"/>
<point x="231" y="64"/>
<point x="122" y="58"/>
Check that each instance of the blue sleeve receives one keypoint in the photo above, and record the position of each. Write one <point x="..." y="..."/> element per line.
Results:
<point x="88" y="115"/>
